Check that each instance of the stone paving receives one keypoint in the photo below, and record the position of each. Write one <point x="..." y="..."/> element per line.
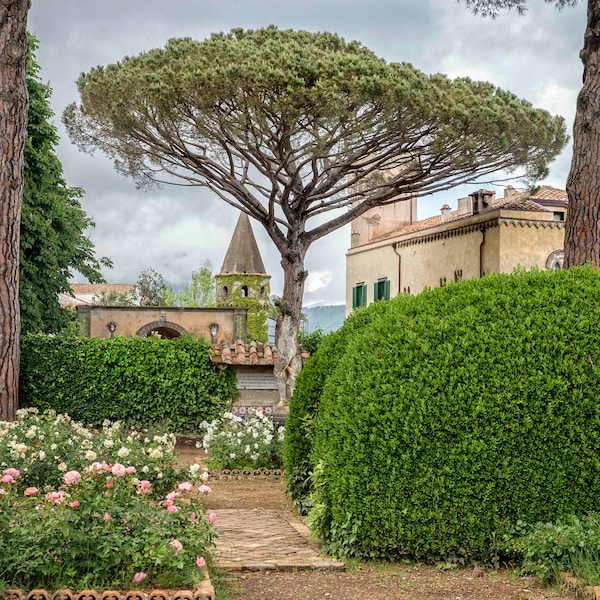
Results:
<point x="257" y="539"/>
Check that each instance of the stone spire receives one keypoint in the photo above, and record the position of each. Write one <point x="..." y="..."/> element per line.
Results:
<point x="243" y="255"/>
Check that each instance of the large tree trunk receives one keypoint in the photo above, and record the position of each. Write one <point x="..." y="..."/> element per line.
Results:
<point x="14" y="104"/>
<point x="582" y="236"/>
<point x="289" y="360"/>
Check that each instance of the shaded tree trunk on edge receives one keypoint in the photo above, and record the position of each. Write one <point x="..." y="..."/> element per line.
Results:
<point x="289" y="360"/>
<point x="582" y="235"/>
<point x="14" y="104"/>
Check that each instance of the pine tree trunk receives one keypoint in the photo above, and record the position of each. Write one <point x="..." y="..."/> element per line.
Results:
<point x="289" y="360"/>
<point x="14" y="103"/>
<point x="582" y="236"/>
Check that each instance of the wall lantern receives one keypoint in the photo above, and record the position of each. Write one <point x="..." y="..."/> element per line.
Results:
<point x="111" y="327"/>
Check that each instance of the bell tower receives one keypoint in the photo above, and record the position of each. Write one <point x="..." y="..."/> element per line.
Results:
<point x="243" y="282"/>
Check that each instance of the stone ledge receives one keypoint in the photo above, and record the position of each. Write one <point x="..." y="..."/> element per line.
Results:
<point x="246" y="473"/>
<point x="203" y="591"/>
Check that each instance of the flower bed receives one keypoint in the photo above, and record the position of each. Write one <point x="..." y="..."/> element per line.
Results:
<point x="86" y="516"/>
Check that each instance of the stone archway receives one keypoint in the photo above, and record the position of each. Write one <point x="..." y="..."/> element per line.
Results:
<point x="556" y="259"/>
<point x="165" y="329"/>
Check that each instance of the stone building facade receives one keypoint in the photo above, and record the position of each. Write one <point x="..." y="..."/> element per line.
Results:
<point x="485" y="235"/>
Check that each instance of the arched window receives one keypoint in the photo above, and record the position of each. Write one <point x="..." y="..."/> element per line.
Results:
<point x="262" y="293"/>
<point x="245" y="291"/>
<point x="225" y="291"/>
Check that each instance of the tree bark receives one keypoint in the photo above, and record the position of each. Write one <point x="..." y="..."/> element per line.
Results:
<point x="289" y="360"/>
<point x="14" y="104"/>
<point x="582" y="235"/>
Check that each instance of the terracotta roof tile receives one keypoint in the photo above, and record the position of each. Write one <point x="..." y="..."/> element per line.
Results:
<point x="99" y="288"/>
<point x="246" y="354"/>
<point x="518" y="201"/>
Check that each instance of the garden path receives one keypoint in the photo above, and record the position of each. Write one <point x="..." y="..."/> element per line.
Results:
<point x="259" y="539"/>
<point x="258" y="527"/>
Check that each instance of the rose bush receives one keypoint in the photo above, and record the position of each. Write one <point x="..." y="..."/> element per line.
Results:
<point x="86" y="515"/>
<point x="251" y="442"/>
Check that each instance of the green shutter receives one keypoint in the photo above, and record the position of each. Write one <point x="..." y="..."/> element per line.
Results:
<point x="386" y="289"/>
<point x="376" y="291"/>
<point x="363" y="294"/>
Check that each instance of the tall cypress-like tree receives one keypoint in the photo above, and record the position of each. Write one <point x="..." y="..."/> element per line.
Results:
<point x="13" y="125"/>
<point x="53" y="243"/>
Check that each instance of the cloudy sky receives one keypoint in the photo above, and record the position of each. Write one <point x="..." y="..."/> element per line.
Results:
<point x="176" y="231"/>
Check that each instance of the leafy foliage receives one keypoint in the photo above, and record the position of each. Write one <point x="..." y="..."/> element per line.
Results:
<point x="53" y="244"/>
<point x="114" y="298"/>
<point x="571" y="544"/>
<point x="145" y="380"/>
<point x="151" y="288"/>
<point x="310" y="341"/>
<point x="455" y="413"/>
<point x="200" y="291"/>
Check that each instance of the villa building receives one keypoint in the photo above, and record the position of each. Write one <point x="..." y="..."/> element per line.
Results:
<point x="485" y="235"/>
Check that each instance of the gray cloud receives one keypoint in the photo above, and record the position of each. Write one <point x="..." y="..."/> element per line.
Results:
<point x="177" y="230"/>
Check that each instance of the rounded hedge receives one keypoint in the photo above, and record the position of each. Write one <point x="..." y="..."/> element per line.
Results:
<point x="455" y="413"/>
<point x="300" y="423"/>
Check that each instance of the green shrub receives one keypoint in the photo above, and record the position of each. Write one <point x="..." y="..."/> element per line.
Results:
<point x="572" y="544"/>
<point x="304" y="403"/>
<point x="456" y="413"/>
<point x="143" y="380"/>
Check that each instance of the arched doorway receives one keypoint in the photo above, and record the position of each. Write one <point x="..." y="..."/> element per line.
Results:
<point x="163" y="329"/>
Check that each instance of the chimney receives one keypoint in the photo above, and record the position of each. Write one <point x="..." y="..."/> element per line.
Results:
<point x="482" y="200"/>
<point x="509" y="191"/>
<point x="446" y="213"/>
<point x="465" y="206"/>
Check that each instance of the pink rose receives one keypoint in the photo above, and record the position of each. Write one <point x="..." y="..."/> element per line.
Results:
<point x="130" y="470"/>
<point x="172" y="509"/>
<point x="109" y="484"/>
<point x="139" y="577"/>
<point x="177" y="545"/>
<point x="106" y="517"/>
<point x="71" y="477"/>
<point x="212" y="517"/>
<point x="56" y="496"/>
<point x="74" y="504"/>
<point x="204" y="489"/>
<point x="171" y="497"/>
<point x="118" y="470"/>
<point x="185" y="486"/>
<point x="31" y="491"/>
<point x="12" y="471"/>
<point x="7" y="479"/>
<point x="200" y="562"/>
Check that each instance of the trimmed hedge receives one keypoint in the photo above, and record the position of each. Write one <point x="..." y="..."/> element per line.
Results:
<point x="455" y="413"/>
<point x="300" y="423"/>
<point x="145" y="380"/>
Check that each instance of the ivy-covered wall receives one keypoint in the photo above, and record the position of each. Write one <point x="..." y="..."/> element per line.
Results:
<point x="256" y="301"/>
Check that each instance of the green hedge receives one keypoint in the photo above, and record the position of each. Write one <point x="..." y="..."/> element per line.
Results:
<point x="300" y="424"/>
<point x="145" y="380"/>
<point x="458" y="412"/>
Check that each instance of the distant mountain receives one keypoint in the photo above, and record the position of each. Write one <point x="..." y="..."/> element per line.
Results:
<point x="328" y="318"/>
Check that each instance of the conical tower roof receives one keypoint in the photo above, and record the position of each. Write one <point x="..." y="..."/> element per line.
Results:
<point x="243" y="255"/>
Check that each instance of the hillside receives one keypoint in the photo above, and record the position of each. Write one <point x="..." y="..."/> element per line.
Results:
<point x="328" y="318"/>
